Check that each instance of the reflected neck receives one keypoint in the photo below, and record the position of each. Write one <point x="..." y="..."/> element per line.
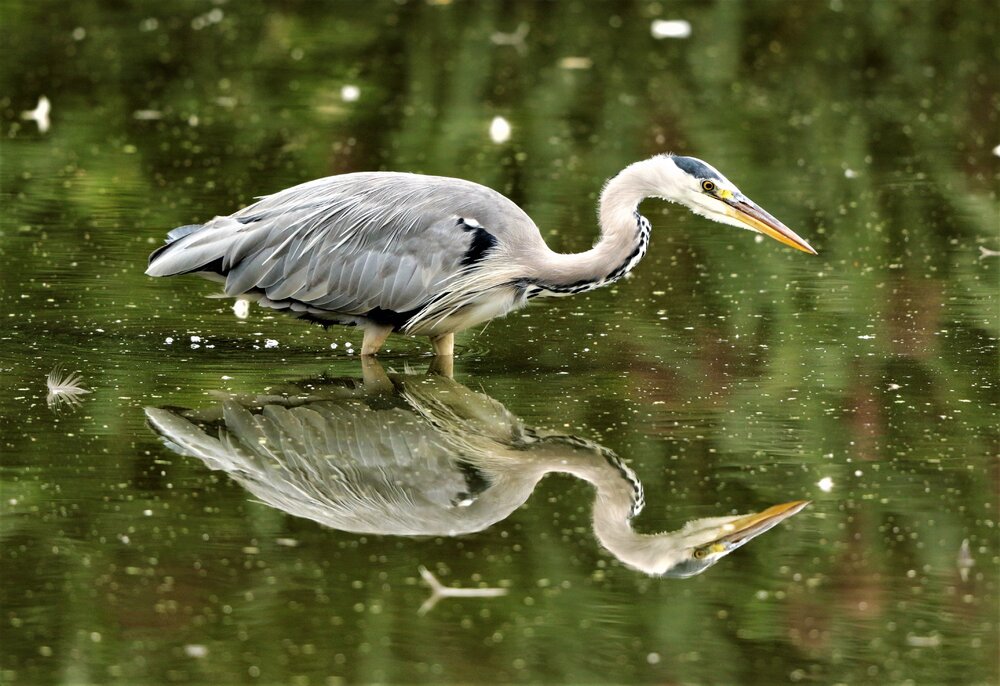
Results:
<point x="618" y="498"/>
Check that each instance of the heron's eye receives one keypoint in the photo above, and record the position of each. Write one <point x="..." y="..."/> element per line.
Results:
<point x="708" y="186"/>
<point x="699" y="553"/>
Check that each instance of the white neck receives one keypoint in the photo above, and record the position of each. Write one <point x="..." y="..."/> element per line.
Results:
<point x="624" y="233"/>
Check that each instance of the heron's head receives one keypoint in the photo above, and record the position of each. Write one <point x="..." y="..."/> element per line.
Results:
<point x="703" y="542"/>
<point x="702" y="189"/>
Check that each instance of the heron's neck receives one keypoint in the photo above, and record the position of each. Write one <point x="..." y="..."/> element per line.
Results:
<point x="624" y="235"/>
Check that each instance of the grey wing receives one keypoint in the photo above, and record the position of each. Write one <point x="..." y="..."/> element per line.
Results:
<point x="348" y="244"/>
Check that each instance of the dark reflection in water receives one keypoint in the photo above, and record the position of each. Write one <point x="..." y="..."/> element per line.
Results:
<point x="422" y="455"/>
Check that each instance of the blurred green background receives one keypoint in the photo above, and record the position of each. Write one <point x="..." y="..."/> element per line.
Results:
<point x="730" y="374"/>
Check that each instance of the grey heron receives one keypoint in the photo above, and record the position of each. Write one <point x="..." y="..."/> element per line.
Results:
<point x="430" y="255"/>
<point x="413" y="455"/>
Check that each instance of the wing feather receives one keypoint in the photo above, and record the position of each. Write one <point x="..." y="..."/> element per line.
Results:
<point x="350" y="243"/>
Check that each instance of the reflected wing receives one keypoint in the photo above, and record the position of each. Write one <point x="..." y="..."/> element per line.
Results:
<point x="349" y="244"/>
<point x="346" y="466"/>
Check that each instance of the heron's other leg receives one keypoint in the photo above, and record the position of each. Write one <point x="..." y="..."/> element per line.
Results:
<point x="374" y="338"/>
<point x="444" y="344"/>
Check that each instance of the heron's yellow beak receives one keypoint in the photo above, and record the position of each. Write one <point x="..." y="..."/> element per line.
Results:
<point x="747" y="212"/>
<point x="751" y="526"/>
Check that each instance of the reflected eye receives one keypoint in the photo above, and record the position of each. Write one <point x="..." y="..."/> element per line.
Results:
<point x="699" y="553"/>
<point x="708" y="186"/>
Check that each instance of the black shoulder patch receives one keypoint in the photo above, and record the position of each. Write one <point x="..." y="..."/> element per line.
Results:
<point x="482" y="242"/>
<point x="695" y="167"/>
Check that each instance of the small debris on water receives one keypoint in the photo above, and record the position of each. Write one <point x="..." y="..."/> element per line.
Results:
<point x="39" y="115"/>
<point x="270" y="343"/>
<point x="825" y="484"/>
<point x="499" y="130"/>
<point x="965" y="560"/>
<point x="168" y="340"/>
<point x="350" y="93"/>
<point x="514" y="39"/>
<point x="195" y="650"/>
<point x="65" y="389"/>
<point x="241" y="308"/>
<point x="576" y="63"/>
<point x="439" y="591"/>
<point x="670" y="28"/>
<point x="932" y="641"/>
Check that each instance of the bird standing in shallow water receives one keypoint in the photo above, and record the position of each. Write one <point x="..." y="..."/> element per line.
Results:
<point x="430" y="255"/>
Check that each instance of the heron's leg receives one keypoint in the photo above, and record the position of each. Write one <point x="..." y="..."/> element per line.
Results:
<point x="444" y="344"/>
<point x="374" y="338"/>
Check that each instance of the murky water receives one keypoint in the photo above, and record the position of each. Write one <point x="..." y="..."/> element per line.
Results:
<point x="184" y="522"/>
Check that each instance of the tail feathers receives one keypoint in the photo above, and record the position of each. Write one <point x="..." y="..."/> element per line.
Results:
<point x="188" y="249"/>
<point x="182" y="231"/>
<point x="172" y="236"/>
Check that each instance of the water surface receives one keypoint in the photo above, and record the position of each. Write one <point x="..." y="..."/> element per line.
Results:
<point x="727" y="374"/>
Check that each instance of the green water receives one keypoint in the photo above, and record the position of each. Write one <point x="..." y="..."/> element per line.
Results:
<point x="728" y="374"/>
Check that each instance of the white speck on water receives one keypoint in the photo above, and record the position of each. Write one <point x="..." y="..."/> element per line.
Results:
<point x="226" y="377"/>
<point x="996" y="151"/>
<point x="350" y="93"/>
<point x="850" y="174"/>
<point x="758" y="238"/>
<point x="79" y="33"/>
<point x="576" y="63"/>
<point x="168" y="340"/>
<point x="333" y="346"/>
<point x="514" y="39"/>
<point x="894" y="387"/>
<point x="348" y="345"/>
<point x="241" y="308"/>
<point x="867" y="336"/>
<point x="196" y="339"/>
<point x="213" y="16"/>
<point x="147" y="513"/>
<point x="147" y="115"/>
<point x="287" y="542"/>
<point x="270" y="343"/>
<point x="39" y="115"/>
<point x="653" y="658"/>
<point x="195" y="650"/>
<point x="932" y="641"/>
<point x="825" y="484"/>
<point x="499" y="130"/>
<point x="670" y="28"/>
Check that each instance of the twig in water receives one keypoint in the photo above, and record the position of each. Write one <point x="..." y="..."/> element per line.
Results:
<point x="439" y="591"/>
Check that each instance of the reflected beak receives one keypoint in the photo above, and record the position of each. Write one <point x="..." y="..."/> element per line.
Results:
<point x="751" y="526"/>
<point x="748" y="212"/>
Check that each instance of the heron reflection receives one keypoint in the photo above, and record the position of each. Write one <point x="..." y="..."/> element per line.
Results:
<point x="422" y="455"/>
